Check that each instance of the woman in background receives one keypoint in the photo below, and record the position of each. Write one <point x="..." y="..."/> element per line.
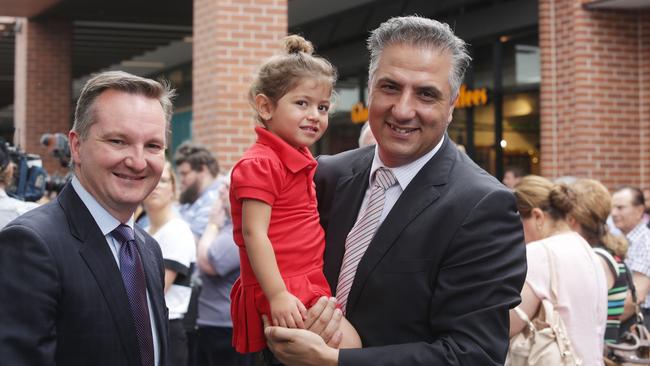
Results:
<point x="179" y="253"/>
<point x="581" y="284"/>
<point x="589" y="219"/>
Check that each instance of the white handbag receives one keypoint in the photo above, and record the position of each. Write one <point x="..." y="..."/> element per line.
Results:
<point x="545" y="341"/>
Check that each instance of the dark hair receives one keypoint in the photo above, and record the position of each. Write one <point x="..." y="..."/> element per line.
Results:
<point x="534" y="191"/>
<point x="197" y="156"/>
<point x="637" y="195"/>
<point x="281" y="73"/>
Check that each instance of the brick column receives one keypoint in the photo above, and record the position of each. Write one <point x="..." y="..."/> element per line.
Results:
<point x="43" y="93"/>
<point x="644" y="94"/>
<point x="592" y="122"/>
<point x="231" y="39"/>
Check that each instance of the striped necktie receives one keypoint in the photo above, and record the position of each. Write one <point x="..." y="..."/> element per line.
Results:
<point x="362" y="233"/>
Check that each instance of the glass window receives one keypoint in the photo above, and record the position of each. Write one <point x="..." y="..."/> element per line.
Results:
<point x="521" y="61"/>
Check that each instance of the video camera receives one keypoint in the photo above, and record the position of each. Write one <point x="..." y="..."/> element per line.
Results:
<point x="29" y="178"/>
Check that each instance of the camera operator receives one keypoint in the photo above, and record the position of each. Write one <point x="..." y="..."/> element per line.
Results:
<point x="10" y="208"/>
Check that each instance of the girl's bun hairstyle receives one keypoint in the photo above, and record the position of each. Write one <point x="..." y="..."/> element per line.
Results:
<point x="296" y="44"/>
<point x="283" y="72"/>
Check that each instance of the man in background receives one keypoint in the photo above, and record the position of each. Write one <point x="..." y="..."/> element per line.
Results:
<point x="512" y="176"/>
<point x="197" y="170"/>
<point x="628" y="207"/>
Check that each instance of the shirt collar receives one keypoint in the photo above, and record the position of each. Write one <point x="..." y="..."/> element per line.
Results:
<point x="637" y="232"/>
<point x="103" y="218"/>
<point x="404" y="173"/>
<point x="294" y="159"/>
<point x="3" y="193"/>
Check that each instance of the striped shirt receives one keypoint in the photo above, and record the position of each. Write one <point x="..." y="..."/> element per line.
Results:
<point x="616" y="295"/>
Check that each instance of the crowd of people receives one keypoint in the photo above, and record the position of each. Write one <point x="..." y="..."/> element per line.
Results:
<point x="400" y="252"/>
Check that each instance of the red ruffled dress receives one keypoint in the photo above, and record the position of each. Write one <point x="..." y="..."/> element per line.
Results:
<point x="280" y="175"/>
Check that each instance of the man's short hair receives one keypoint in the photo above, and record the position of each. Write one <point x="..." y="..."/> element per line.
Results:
<point x="421" y="32"/>
<point x="637" y="195"/>
<point x="121" y="81"/>
<point x="196" y="155"/>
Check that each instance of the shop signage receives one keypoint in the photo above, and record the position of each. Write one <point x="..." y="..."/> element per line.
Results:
<point x="359" y="113"/>
<point x="468" y="98"/>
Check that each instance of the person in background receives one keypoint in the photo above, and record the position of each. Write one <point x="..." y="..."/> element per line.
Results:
<point x="176" y="241"/>
<point x="581" y="281"/>
<point x="79" y="284"/>
<point x="197" y="169"/>
<point x="588" y="218"/>
<point x="628" y="207"/>
<point x="427" y="263"/>
<point x="365" y="136"/>
<point x="646" y="198"/>
<point x="512" y="176"/>
<point x="218" y="262"/>
<point x="10" y="208"/>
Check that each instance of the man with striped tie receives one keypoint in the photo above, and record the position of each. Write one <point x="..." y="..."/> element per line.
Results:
<point x="79" y="285"/>
<point x="424" y="250"/>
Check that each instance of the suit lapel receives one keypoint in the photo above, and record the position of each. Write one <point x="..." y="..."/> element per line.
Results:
<point x="421" y="193"/>
<point x="350" y="191"/>
<point x="95" y="252"/>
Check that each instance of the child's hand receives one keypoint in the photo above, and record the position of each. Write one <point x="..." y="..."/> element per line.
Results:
<point x="287" y="311"/>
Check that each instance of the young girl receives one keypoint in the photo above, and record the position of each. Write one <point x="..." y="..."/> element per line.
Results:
<point x="274" y="212"/>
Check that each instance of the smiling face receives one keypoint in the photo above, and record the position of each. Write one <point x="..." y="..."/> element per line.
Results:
<point x="410" y="103"/>
<point x="120" y="161"/>
<point x="299" y="117"/>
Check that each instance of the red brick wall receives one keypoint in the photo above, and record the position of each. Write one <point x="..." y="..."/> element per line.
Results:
<point x="644" y="93"/>
<point x="592" y="100"/>
<point x="231" y="39"/>
<point x="43" y="88"/>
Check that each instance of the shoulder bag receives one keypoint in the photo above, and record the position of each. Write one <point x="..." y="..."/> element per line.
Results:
<point x="633" y="347"/>
<point x="545" y="341"/>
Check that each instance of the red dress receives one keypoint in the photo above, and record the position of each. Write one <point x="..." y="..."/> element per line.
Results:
<point x="280" y="175"/>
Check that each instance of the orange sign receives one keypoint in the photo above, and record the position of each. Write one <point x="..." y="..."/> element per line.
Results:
<point x="359" y="113"/>
<point x="471" y="98"/>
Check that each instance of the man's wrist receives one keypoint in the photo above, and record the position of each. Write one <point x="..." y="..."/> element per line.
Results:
<point x="330" y="356"/>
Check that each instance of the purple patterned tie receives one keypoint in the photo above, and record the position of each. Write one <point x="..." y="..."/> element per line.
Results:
<point x="136" y="288"/>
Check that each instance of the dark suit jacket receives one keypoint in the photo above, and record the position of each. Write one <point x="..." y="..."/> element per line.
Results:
<point x="444" y="268"/>
<point x="62" y="299"/>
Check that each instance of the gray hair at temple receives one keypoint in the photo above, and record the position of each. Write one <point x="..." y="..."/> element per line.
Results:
<point x="424" y="32"/>
<point x="121" y="81"/>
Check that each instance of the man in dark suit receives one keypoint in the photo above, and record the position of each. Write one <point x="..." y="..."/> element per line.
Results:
<point x="434" y="285"/>
<point x="77" y="285"/>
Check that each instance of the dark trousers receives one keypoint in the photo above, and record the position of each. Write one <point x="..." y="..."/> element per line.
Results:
<point x="177" y="343"/>
<point x="215" y="348"/>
